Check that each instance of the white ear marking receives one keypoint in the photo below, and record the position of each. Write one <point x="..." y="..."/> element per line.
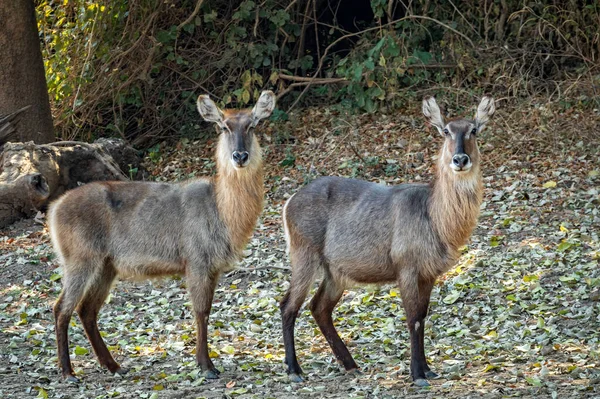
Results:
<point x="209" y="110"/>
<point x="264" y="106"/>
<point x="432" y="113"/>
<point x="485" y="110"/>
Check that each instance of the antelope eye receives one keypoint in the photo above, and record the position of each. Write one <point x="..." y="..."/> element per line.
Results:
<point x="446" y="132"/>
<point x="474" y="131"/>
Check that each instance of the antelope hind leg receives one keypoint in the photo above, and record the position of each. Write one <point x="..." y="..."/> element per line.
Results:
<point x="321" y="307"/>
<point x="88" y="311"/>
<point x="72" y="292"/>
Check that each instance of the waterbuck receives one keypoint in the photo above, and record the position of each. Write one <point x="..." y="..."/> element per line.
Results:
<point x="198" y="228"/>
<point x="361" y="232"/>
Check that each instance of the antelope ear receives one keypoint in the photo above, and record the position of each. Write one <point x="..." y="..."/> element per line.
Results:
<point x="432" y="113"/>
<point x="485" y="110"/>
<point x="264" y="106"/>
<point x="209" y="110"/>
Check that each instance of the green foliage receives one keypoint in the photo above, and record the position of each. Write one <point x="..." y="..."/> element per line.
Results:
<point x="380" y="67"/>
<point x="154" y="153"/>
<point x="251" y="83"/>
<point x="130" y="68"/>
<point x="62" y="27"/>
<point x="279" y="115"/>
<point x="132" y="172"/>
<point x="290" y="158"/>
<point x="379" y="7"/>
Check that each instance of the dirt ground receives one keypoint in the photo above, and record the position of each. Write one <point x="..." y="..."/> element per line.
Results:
<point x="518" y="317"/>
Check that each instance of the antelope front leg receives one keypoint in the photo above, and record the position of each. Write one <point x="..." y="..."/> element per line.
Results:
<point x="415" y="298"/>
<point x="202" y="289"/>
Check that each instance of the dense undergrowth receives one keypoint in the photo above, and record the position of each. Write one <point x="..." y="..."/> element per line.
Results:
<point x="133" y="68"/>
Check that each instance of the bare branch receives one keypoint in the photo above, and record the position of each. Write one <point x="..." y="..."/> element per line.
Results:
<point x="313" y="80"/>
<point x="251" y="269"/>
<point x="192" y="15"/>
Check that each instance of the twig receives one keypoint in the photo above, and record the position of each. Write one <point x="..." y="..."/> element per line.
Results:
<point x="196" y="84"/>
<point x="139" y="40"/>
<point x="192" y="15"/>
<point x="324" y="24"/>
<point x="317" y="150"/>
<point x="318" y="52"/>
<point x="302" y="81"/>
<point x="251" y="269"/>
<point x="256" y="15"/>
<point x="86" y="60"/>
<point x="313" y="80"/>
<point x="464" y="18"/>
<point x="352" y="147"/>
<point x="500" y="24"/>
<point x="307" y="82"/>
<point x="356" y="153"/>
<point x="289" y="88"/>
<point x="290" y="5"/>
<point x="343" y="140"/>
<point x="390" y="9"/>
<point x="302" y="34"/>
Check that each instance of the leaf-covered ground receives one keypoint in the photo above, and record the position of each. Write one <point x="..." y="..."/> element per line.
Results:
<point x="518" y="316"/>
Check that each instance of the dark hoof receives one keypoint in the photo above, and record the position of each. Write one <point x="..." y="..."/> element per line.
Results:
<point x="212" y="374"/>
<point x="295" y="377"/>
<point x="71" y="379"/>
<point x="121" y="371"/>
<point x="421" y="383"/>
<point x="430" y="375"/>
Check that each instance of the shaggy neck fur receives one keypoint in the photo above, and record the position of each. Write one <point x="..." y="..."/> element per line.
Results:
<point x="455" y="202"/>
<point x="239" y="195"/>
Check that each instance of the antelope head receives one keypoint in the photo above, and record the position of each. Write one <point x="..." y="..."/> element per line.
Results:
<point x="237" y="142"/>
<point x="460" y="152"/>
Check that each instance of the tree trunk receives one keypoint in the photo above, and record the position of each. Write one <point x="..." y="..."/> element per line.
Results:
<point x="22" y="78"/>
<point x="33" y="175"/>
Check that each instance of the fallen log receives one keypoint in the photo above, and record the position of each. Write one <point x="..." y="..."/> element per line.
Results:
<point x="32" y="175"/>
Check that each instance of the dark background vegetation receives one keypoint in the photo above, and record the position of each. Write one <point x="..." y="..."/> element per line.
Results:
<point x="133" y="68"/>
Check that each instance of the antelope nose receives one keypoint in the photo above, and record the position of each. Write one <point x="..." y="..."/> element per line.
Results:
<point x="460" y="160"/>
<point x="240" y="157"/>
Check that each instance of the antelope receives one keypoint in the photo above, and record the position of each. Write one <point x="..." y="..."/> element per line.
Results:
<point x="360" y="232"/>
<point x="108" y="230"/>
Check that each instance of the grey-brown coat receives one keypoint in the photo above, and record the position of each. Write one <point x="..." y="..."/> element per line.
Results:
<point x="361" y="232"/>
<point x="102" y="231"/>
